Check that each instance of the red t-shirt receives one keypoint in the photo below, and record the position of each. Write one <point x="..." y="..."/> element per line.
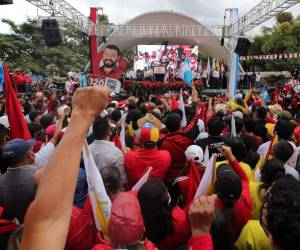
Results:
<point x="176" y="143"/>
<point x="201" y="243"/>
<point x="137" y="162"/>
<point x="182" y="231"/>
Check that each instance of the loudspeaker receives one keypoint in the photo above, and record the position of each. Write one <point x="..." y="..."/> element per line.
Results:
<point x="51" y="32"/>
<point x="242" y="46"/>
<point x="2" y="2"/>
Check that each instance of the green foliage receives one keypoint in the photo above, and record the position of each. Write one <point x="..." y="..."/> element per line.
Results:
<point x="25" y="48"/>
<point x="284" y="37"/>
<point x="284" y="17"/>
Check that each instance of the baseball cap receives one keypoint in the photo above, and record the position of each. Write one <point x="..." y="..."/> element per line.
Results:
<point x="126" y="224"/>
<point x="17" y="148"/>
<point x="228" y="184"/>
<point x="194" y="153"/>
<point x="149" y="133"/>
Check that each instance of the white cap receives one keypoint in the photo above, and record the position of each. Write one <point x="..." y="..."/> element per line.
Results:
<point x="238" y="114"/>
<point x="4" y="121"/>
<point x="194" y="153"/>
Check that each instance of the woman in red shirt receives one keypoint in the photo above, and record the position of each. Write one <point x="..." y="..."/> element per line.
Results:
<point x="167" y="228"/>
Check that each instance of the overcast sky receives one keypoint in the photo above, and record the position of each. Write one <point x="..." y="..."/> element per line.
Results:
<point x="120" y="11"/>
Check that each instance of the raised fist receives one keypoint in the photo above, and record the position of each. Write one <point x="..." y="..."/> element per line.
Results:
<point x="89" y="102"/>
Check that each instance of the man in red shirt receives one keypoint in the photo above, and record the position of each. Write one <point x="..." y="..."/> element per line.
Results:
<point x="137" y="162"/>
<point x="109" y="63"/>
<point x="176" y="142"/>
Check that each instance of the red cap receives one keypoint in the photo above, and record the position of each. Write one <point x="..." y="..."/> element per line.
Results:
<point x="297" y="133"/>
<point x="126" y="222"/>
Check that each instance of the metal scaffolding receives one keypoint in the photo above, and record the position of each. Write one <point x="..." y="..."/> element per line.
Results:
<point x="262" y="12"/>
<point x="64" y="11"/>
<point x="258" y="15"/>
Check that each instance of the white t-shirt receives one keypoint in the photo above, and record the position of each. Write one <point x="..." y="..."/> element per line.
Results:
<point x="68" y="85"/>
<point x="292" y="162"/>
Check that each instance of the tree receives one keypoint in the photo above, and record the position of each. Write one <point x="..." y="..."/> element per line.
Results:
<point x="25" y="48"/>
<point x="283" y="37"/>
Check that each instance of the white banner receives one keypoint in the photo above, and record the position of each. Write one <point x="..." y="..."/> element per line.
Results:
<point x="114" y="85"/>
<point x="290" y="55"/>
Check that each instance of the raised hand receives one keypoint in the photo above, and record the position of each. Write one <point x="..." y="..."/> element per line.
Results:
<point x="202" y="214"/>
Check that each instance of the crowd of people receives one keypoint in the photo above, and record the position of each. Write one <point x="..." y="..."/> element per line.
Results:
<point x="253" y="199"/>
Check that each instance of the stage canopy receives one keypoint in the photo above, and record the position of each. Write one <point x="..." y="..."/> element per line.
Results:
<point x="208" y="44"/>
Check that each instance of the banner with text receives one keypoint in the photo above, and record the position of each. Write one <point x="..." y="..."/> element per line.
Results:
<point x="114" y="85"/>
<point x="291" y="55"/>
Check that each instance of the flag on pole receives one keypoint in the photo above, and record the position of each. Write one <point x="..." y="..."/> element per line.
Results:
<point x="213" y="67"/>
<point x="182" y="108"/>
<point x="207" y="178"/>
<point x="248" y="95"/>
<point x="186" y="72"/>
<point x="17" y="123"/>
<point x="142" y="180"/>
<point x="200" y="66"/>
<point x="265" y="95"/>
<point x="206" y="156"/>
<point x="218" y="65"/>
<point x="233" y="128"/>
<point x="222" y="66"/>
<point x="101" y="203"/>
<point x="208" y="70"/>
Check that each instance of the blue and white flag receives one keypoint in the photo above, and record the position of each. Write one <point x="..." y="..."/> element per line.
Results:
<point x="265" y="95"/>
<point x="186" y="72"/>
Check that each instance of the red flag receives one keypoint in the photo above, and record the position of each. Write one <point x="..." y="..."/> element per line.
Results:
<point x="17" y="123"/>
<point x="188" y="186"/>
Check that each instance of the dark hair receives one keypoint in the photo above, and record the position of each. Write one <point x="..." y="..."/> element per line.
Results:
<point x="133" y="116"/>
<point x="261" y="112"/>
<point x="247" y="142"/>
<point x="239" y="124"/>
<point x="272" y="170"/>
<point x="222" y="229"/>
<point x="157" y="213"/>
<point x="173" y="121"/>
<point x="34" y="128"/>
<point x="238" y="148"/>
<point x="33" y="115"/>
<point x="112" y="179"/>
<point x="283" y="151"/>
<point x="46" y="120"/>
<point x="283" y="219"/>
<point x="284" y="129"/>
<point x="249" y="124"/>
<point x="114" y="47"/>
<point x="116" y="115"/>
<point x="101" y="128"/>
<point x="179" y="112"/>
<point x="215" y="126"/>
<point x="286" y="183"/>
<point x="149" y="145"/>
